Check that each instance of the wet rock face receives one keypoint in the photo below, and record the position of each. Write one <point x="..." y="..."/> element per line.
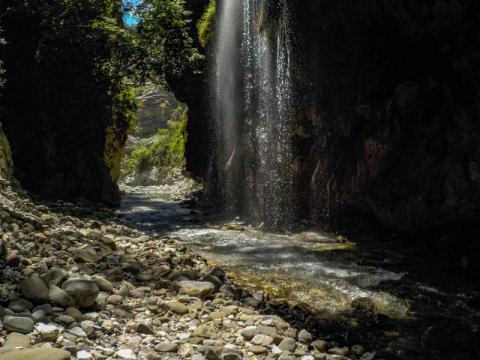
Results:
<point x="386" y="102"/>
<point x="387" y="111"/>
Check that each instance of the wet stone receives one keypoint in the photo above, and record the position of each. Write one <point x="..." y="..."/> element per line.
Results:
<point x="178" y="308"/>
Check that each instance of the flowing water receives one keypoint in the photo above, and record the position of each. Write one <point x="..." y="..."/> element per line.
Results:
<point x="252" y="95"/>
<point x="316" y="269"/>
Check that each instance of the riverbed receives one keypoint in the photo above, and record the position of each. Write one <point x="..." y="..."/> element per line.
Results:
<point x="323" y="270"/>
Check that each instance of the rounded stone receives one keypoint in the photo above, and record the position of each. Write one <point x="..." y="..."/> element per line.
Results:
<point x="38" y="354"/>
<point x="59" y="297"/>
<point x="166" y="347"/>
<point x="103" y="284"/>
<point x="288" y="344"/>
<point x="84" y="292"/>
<point x="34" y="289"/>
<point x="19" y="324"/>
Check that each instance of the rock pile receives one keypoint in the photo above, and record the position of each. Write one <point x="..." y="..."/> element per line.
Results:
<point x="76" y="284"/>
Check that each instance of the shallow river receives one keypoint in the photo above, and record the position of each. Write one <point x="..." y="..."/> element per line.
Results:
<point x="309" y="267"/>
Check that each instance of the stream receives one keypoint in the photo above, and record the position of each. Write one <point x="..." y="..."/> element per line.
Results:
<point x="318" y="269"/>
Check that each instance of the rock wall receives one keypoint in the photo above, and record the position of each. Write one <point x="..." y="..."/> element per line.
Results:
<point x="387" y="105"/>
<point x="388" y="100"/>
<point x="6" y="162"/>
<point x="56" y="115"/>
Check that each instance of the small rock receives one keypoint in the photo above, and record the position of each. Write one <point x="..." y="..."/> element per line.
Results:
<point x="339" y="351"/>
<point x="115" y="299"/>
<point x="47" y="333"/>
<point x="20" y="305"/>
<point x="59" y="297"/>
<point x="166" y="347"/>
<point x="103" y="284"/>
<point x="257" y="349"/>
<point x="84" y="355"/>
<point x="39" y="316"/>
<point x="84" y="292"/>
<point x="74" y="313"/>
<point x="45" y="307"/>
<point x="358" y="350"/>
<point x="196" y="288"/>
<point x="305" y="337"/>
<point x="77" y="332"/>
<point x="262" y="339"/>
<point x="248" y="334"/>
<point x="19" y="324"/>
<point x="33" y="288"/>
<point x="177" y="308"/>
<point x="288" y="344"/>
<point x="126" y="354"/>
<point x="85" y="256"/>
<point x="13" y="259"/>
<point x="320" y="345"/>
<point x="368" y="356"/>
<point x="144" y="329"/>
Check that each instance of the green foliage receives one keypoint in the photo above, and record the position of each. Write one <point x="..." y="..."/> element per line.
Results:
<point x="164" y="31"/>
<point x="205" y="25"/>
<point x="164" y="151"/>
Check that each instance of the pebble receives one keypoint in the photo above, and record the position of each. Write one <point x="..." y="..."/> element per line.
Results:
<point x="59" y="297"/>
<point x="19" y="324"/>
<point x="257" y="349"/>
<point x="305" y="337"/>
<point x="320" y="345"/>
<point x="288" y="344"/>
<point x="196" y="288"/>
<point x="166" y="347"/>
<point x="20" y="305"/>
<point x="84" y="355"/>
<point x="33" y="288"/>
<point x="126" y="354"/>
<point x="84" y="292"/>
<point x="178" y="308"/>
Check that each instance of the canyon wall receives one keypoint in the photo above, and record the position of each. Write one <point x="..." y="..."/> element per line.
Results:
<point x="386" y="103"/>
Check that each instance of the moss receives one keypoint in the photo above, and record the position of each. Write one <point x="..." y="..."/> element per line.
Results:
<point x="116" y="132"/>
<point x="205" y="25"/>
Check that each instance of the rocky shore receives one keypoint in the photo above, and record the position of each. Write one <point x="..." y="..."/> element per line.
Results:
<point x="76" y="284"/>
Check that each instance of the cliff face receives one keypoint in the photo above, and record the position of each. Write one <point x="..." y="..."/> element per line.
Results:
<point x="56" y="115"/>
<point x="386" y="112"/>
<point x="388" y="100"/>
<point x="6" y="163"/>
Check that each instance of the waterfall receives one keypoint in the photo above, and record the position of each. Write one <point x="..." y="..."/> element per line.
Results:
<point x="252" y="102"/>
